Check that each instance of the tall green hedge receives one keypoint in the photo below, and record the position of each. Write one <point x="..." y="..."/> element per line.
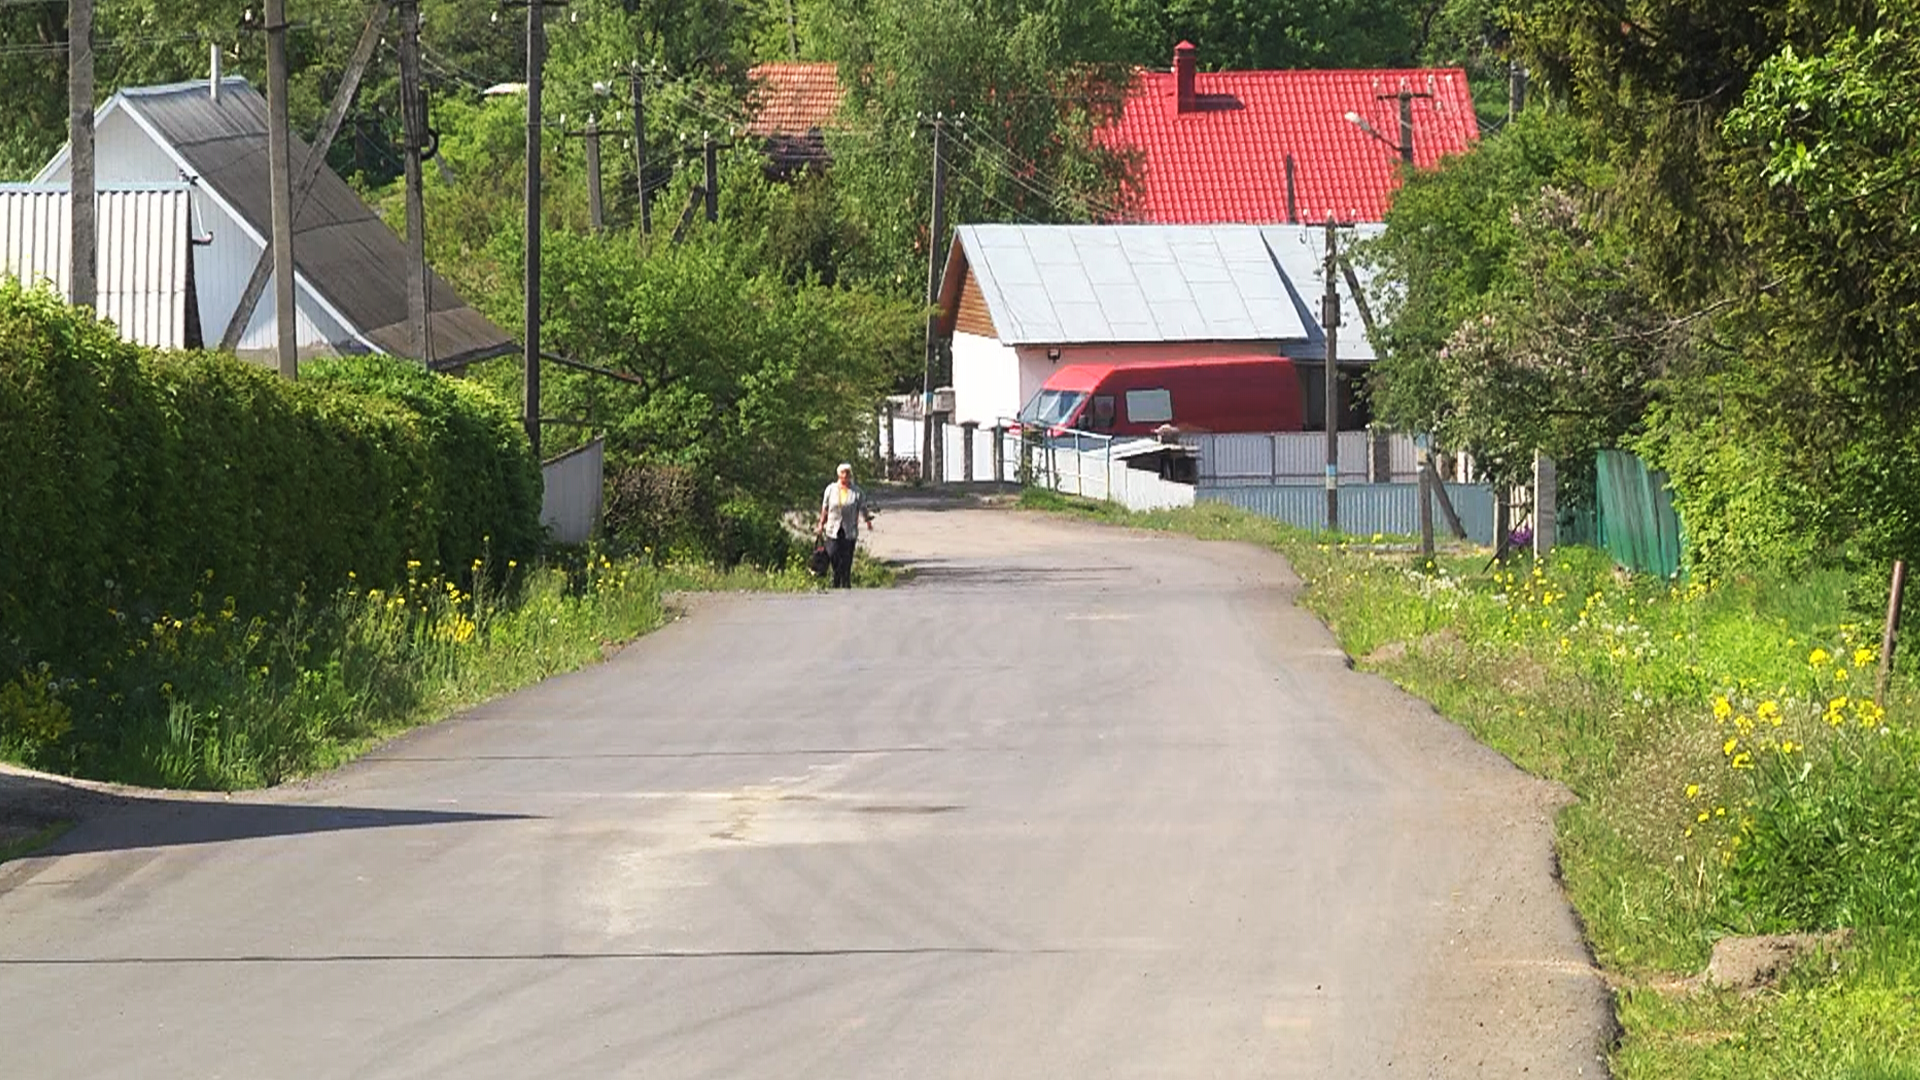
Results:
<point x="130" y="480"/>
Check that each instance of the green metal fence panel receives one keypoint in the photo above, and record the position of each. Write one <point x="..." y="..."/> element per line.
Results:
<point x="1636" y="522"/>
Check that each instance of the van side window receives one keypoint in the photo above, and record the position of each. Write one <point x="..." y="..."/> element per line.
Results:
<point x="1149" y="406"/>
<point x="1103" y="412"/>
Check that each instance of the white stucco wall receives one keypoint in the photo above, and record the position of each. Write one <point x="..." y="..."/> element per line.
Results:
<point x="986" y="380"/>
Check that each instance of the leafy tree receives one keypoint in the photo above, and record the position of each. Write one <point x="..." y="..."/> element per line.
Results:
<point x="1450" y="247"/>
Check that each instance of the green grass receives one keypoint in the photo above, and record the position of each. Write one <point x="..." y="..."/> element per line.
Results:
<point x="209" y="700"/>
<point x="1658" y="704"/>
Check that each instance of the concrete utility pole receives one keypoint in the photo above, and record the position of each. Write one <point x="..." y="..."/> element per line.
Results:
<point x="280" y="188"/>
<point x="1516" y="89"/>
<point x="1330" y="322"/>
<point x="596" y="210"/>
<point x="83" y="272"/>
<point x="530" y="361"/>
<point x="316" y="159"/>
<point x="413" y="116"/>
<point x="936" y="264"/>
<point x="640" y="149"/>
<point x="1406" y="125"/>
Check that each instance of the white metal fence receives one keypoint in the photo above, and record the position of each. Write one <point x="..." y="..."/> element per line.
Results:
<point x="1300" y="457"/>
<point x="1097" y="473"/>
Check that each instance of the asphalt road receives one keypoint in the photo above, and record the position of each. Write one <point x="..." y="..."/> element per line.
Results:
<point x="1075" y="802"/>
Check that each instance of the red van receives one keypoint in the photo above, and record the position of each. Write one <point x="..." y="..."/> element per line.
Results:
<point x="1221" y="395"/>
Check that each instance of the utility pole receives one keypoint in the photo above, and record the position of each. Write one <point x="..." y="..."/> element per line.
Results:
<point x="1516" y="89"/>
<point x="82" y="251"/>
<point x="935" y="266"/>
<point x="710" y="185"/>
<point x="1405" y="143"/>
<point x="640" y="149"/>
<point x="596" y="210"/>
<point x="1330" y="394"/>
<point x="315" y="160"/>
<point x="1406" y="125"/>
<point x="530" y="361"/>
<point x="280" y="188"/>
<point x="413" y="117"/>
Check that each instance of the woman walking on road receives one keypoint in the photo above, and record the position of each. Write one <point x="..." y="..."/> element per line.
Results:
<point x="841" y="508"/>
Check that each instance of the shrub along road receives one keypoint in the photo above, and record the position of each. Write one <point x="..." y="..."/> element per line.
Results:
<point x="1073" y="802"/>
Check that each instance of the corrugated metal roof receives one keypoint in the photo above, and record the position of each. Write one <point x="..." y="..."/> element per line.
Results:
<point x="144" y="284"/>
<point x="1301" y="252"/>
<point x="1054" y="284"/>
<point x="1131" y="284"/>
<point x="341" y="249"/>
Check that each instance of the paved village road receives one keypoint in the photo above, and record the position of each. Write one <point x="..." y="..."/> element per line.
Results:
<point x="1075" y="802"/>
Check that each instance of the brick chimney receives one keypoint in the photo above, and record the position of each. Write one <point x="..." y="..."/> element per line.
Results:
<point x="1186" y="99"/>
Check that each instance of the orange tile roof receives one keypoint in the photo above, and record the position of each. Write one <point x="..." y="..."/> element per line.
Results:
<point x="794" y="98"/>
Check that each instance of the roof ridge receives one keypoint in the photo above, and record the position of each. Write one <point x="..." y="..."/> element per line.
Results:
<point x="178" y="87"/>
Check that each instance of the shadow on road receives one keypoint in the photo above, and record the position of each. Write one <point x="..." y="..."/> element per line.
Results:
<point x="112" y="821"/>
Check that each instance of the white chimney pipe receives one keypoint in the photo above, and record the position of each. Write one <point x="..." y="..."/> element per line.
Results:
<point x="213" y="80"/>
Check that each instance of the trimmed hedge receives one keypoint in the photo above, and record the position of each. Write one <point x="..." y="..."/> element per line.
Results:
<point x="130" y="481"/>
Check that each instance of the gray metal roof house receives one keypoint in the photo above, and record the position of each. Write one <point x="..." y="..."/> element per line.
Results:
<point x="1021" y="300"/>
<point x="350" y="290"/>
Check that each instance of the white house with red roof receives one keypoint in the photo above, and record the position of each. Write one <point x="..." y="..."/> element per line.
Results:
<point x="1270" y="147"/>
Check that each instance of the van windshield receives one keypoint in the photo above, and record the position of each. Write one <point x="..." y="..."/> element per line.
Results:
<point x="1053" y="406"/>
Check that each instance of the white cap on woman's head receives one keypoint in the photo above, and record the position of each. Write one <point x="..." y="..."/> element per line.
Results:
<point x="844" y="468"/>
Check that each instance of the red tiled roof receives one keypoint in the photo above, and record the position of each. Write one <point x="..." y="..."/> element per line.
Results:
<point x="1224" y="160"/>
<point x="794" y="98"/>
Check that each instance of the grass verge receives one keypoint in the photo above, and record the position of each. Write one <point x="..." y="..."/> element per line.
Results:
<point x="209" y="700"/>
<point x="1734" y="776"/>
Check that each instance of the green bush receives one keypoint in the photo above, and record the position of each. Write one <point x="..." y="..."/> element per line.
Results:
<point x="136" y="487"/>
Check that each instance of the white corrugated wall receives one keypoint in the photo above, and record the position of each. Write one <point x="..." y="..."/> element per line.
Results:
<point x="142" y="257"/>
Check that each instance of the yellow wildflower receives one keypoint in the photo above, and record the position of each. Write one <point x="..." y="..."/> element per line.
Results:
<point x="1768" y="711"/>
<point x="1722" y="708"/>
<point x="1693" y="791"/>
<point x="1727" y="747"/>
<point x="1818" y="657"/>
<point x="1862" y="657"/>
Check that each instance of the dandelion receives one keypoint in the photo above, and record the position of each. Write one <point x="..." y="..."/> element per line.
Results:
<point x="1818" y="657"/>
<point x="1862" y="657"/>
<point x="1702" y="816"/>
<point x="1770" y="712"/>
<point x="1727" y="748"/>
<point x="413" y="564"/>
<point x="1788" y="746"/>
<point x="1741" y="760"/>
<point x="1693" y="791"/>
<point x="1722" y="708"/>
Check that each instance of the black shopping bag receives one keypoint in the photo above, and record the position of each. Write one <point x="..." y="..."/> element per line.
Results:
<point x="821" y="562"/>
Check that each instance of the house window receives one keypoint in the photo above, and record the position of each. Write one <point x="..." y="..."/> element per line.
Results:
<point x="1103" y="412"/>
<point x="1149" y="406"/>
